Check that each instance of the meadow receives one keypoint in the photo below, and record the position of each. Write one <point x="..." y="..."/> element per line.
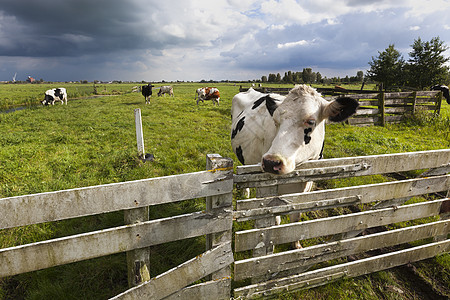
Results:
<point x="92" y="141"/>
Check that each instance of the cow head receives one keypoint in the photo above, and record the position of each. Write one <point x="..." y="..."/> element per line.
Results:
<point x="300" y="127"/>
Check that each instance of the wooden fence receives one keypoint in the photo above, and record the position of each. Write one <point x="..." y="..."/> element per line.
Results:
<point x="215" y="184"/>
<point x="327" y="238"/>
<point x="333" y="238"/>
<point x="381" y="108"/>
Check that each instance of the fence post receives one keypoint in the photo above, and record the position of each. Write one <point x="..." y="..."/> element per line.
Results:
<point x="414" y="102"/>
<point x="139" y="134"/>
<point x="438" y="103"/>
<point x="138" y="260"/>
<point x="381" y="108"/>
<point x="216" y="163"/>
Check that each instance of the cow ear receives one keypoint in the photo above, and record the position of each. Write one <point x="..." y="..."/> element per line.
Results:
<point x="341" y="109"/>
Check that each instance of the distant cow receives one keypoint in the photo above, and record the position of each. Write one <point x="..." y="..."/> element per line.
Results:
<point x="165" y="89"/>
<point x="444" y="90"/>
<point x="147" y="92"/>
<point x="208" y="93"/>
<point x="58" y="94"/>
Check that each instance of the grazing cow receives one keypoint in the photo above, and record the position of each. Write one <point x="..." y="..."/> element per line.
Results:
<point x="444" y="90"/>
<point x="54" y="95"/>
<point x="281" y="132"/>
<point x="165" y="89"/>
<point x="208" y="93"/>
<point x="147" y="92"/>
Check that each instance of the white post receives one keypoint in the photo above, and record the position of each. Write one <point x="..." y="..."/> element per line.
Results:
<point x="139" y="135"/>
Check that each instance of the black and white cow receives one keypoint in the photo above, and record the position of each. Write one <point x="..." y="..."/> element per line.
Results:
<point x="147" y="92"/>
<point x="280" y="132"/>
<point x="58" y="94"/>
<point x="165" y="89"/>
<point x="445" y="91"/>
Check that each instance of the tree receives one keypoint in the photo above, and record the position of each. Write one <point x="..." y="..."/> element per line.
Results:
<point x="360" y="75"/>
<point x="426" y="66"/>
<point x="387" y="67"/>
<point x="278" y="79"/>
<point x="272" y="78"/>
<point x="263" y="79"/>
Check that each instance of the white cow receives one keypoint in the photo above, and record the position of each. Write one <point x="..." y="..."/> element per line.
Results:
<point x="280" y="132"/>
<point x="165" y="89"/>
<point x="58" y="94"/>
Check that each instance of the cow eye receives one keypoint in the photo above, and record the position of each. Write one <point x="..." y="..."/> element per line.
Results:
<point x="310" y="122"/>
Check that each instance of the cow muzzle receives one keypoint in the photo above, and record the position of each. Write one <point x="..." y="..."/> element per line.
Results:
<point x="275" y="164"/>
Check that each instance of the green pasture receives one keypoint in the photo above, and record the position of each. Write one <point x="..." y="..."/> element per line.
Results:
<point x="92" y="141"/>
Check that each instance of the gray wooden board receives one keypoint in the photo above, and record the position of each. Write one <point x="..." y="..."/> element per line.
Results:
<point x="347" y="270"/>
<point x="179" y="277"/>
<point x="52" y="206"/>
<point x="345" y="167"/>
<point x="304" y="257"/>
<point x="218" y="290"/>
<point x="286" y="233"/>
<point x="247" y="208"/>
<point x="41" y="255"/>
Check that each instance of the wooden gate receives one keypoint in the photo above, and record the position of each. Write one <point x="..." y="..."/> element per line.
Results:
<point x="375" y="219"/>
<point x="214" y="184"/>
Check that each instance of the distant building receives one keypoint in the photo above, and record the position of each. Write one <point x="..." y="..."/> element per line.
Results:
<point x="31" y="79"/>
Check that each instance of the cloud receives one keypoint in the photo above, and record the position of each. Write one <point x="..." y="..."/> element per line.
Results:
<point x="292" y="44"/>
<point x="193" y="39"/>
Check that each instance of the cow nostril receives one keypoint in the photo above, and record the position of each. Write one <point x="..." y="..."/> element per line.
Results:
<point x="272" y="166"/>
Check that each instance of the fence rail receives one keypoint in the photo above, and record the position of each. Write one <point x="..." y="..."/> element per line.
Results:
<point x="379" y="205"/>
<point x="379" y="108"/>
<point x="373" y="209"/>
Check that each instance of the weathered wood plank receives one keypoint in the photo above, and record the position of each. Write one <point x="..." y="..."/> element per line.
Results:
<point x="177" y="278"/>
<point x="367" y="194"/>
<point x="366" y="111"/>
<point x="352" y="269"/>
<point x="346" y="167"/>
<point x="217" y="162"/>
<point x="41" y="255"/>
<point x="86" y="201"/>
<point x="287" y="233"/>
<point x="309" y="256"/>
<point x="218" y="289"/>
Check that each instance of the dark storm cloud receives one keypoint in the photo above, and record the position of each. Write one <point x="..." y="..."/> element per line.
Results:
<point x="47" y="28"/>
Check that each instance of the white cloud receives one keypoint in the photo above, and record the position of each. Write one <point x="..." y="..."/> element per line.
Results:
<point x="414" y="28"/>
<point x="292" y="44"/>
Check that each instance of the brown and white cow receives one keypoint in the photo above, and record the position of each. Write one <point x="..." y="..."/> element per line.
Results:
<point x="280" y="132"/>
<point x="208" y="93"/>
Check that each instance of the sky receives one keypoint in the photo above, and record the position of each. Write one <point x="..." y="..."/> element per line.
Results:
<point x="193" y="40"/>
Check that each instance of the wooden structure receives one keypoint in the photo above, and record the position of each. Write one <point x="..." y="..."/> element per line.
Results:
<point x="329" y="238"/>
<point x="334" y="238"/>
<point x="140" y="233"/>
<point x="379" y="108"/>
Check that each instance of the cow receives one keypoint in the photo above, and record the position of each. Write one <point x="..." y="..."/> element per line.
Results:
<point x="445" y="91"/>
<point x="165" y="89"/>
<point x="208" y="93"/>
<point x="58" y="94"/>
<point x="147" y="92"/>
<point x="280" y="132"/>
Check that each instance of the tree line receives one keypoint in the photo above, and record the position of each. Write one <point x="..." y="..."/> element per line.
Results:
<point x="308" y="76"/>
<point x="425" y="67"/>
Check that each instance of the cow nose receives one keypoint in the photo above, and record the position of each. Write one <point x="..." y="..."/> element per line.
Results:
<point x="272" y="166"/>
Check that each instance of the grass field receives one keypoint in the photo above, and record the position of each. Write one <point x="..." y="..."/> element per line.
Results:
<point x="92" y="141"/>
